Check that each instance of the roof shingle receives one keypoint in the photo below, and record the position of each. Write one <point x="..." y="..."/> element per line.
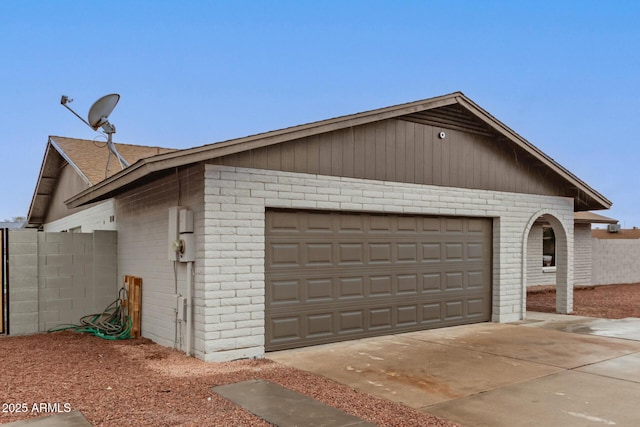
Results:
<point x="92" y="157"/>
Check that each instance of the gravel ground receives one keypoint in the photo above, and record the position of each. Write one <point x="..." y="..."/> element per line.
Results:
<point x="608" y="302"/>
<point x="138" y="383"/>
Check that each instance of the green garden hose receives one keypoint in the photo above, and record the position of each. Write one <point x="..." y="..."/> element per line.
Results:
<point x="113" y="323"/>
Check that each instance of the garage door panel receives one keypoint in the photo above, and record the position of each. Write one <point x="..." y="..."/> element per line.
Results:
<point x="319" y="254"/>
<point x="351" y="321"/>
<point x="285" y="255"/>
<point x="319" y="290"/>
<point x="453" y="252"/>
<point x="431" y="252"/>
<point x="407" y="315"/>
<point x="348" y="322"/>
<point x="453" y="310"/>
<point x="285" y="330"/>
<point x="285" y="291"/>
<point x="351" y="254"/>
<point x="284" y="222"/>
<point x="319" y="325"/>
<point x="358" y="275"/>
<point x="351" y="287"/>
<point x="431" y="313"/>
<point x="407" y="284"/>
<point x="380" y="318"/>
<point x="347" y="284"/>
<point x="407" y="252"/>
<point x="454" y="225"/>
<point x="431" y="282"/>
<point x="476" y="306"/>
<point x="380" y="286"/>
<point x="454" y="280"/>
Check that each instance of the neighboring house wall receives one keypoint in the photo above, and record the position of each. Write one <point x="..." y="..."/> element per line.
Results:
<point x="615" y="261"/>
<point x="230" y="306"/>
<point x="69" y="184"/>
<point x="101" y="216"/>
<point x="56" y="278"/>
<point x="143" y="218"/>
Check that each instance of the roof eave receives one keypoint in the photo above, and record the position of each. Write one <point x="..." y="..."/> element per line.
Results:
<point x="180" y="158"/>
<point x="602" y="202"/>
<point x="206" y="152"/>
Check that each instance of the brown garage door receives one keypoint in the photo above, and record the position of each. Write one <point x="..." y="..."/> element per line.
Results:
<point x="333" y="276"/>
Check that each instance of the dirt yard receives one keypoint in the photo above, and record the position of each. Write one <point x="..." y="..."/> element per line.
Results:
<point x="609" y="302"/>
<point x="138" y="383"/>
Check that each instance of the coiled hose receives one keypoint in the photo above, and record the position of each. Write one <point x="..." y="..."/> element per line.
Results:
<point x="113" y="323"/>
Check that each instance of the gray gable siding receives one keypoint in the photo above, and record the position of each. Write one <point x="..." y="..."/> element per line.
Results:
<point x="406" y="151"/>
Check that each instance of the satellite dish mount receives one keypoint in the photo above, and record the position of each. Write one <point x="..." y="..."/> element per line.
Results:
<point x="98" y="118"/>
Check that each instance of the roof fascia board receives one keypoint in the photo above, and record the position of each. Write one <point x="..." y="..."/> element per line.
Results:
<point x="532" y="149"/>
<point x="225" y="148"/>
<point x="37" y="193"/>
<point x="69" y="161"/>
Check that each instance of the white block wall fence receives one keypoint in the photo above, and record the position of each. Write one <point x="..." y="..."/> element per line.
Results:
<point x="56" y="278"/>
<point x="230" y="285"/>
<point x="615" y="261"/>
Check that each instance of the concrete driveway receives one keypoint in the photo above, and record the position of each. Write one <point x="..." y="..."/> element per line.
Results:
<point x="549" y="370"/>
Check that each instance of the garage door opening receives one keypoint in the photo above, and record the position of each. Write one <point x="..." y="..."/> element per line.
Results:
<point x="335" y="276"/>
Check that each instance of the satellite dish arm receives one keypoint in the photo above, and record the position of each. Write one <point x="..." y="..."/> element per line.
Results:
<point x="64" y="101"/>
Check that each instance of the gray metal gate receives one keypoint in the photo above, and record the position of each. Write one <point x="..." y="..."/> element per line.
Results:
<point x="4" y="281"/>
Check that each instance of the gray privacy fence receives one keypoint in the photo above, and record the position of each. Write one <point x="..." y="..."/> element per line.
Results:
<point x="56" y="278"/>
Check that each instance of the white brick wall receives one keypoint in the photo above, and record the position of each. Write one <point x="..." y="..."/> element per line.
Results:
<point x="234" y="210"/>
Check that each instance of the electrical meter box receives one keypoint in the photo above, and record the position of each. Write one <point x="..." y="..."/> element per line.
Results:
<point x="185" y="224"/>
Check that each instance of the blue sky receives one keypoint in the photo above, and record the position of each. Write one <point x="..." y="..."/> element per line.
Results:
<point x="565" y="75"/>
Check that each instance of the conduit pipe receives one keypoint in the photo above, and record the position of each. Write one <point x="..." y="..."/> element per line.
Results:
<point x="189" y="307"/>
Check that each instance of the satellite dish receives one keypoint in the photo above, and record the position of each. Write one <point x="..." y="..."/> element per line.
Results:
<point x="101" y="109"/>
<point x="98" y="118"/>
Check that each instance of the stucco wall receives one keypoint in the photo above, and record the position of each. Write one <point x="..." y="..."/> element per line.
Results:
<point x="615" y="261"/>
<point x="230" y="312"/>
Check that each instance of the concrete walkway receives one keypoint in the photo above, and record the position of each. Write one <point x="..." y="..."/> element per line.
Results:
<point x="547" y="370"/>
<point x="69" y="419"/>
<point x="285" y="408"/>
